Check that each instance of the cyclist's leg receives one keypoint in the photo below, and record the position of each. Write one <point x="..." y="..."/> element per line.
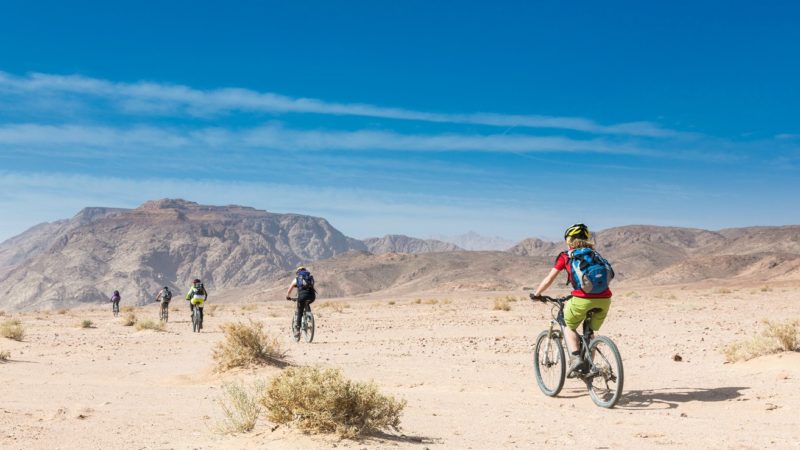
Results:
<point x="603" y="304"/>
<point x="301" y="306"/>
<point x="574" y="313"/>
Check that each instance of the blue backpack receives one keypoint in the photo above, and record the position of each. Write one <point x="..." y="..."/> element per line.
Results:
<point x="588" y="271"/>
<point x="305" y="281"/>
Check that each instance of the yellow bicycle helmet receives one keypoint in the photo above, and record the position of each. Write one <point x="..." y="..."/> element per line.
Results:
<point x="577" y="231"/>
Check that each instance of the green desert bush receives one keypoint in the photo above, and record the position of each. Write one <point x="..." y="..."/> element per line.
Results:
<point x="776" y="337"/>
<point x="86" y="323"/>
<point x="247" y="345"/>
<point x="149" y="324"/>
<point x="241" y="406"/>
<point x="322" y="401"/>
<point x="12" y="329"/>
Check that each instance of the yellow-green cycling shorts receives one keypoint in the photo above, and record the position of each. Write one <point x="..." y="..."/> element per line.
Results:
<point x="197" y="301"/>
<point x="576" y="308"/>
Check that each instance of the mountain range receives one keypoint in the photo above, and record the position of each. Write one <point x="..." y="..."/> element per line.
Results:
<point x="236" y="248"/>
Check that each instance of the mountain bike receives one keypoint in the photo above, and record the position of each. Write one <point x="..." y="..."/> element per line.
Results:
<point x="115" y="308"/>
<point x="603" y="374"/>
<point x="197" y="318"/>
<point x="164" y="311"/>
<point x="306" y="324"/>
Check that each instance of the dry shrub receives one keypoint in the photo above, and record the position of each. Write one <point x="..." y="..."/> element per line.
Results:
<point x="501" y="304"/>
<point x="322" y="401"/>
<point x="12" y="329"/>
<point x="766" y="289"/>
<point x="418" y="301"/>
<point x="336" y="306"/>
<point x="447" y="301"/>
<point x="241" y="405"/>
<point x="86" y="323"/>
<point x="392" y="302"/>
<point x="149" y="324"/>
<point x="2" y="313"/>
<point x="249" y="307"/>
<point x="247" y="345"/>
<point x="210" y="310"/>
<point x="127" y="309"/>
<point x="776" y="337"/>
<point x="129" y="319"/>
<point x="5" y="355"/>
<point x="431" y="301"/>
<point x="62" y="311"/>
<point x="724" y="291"/>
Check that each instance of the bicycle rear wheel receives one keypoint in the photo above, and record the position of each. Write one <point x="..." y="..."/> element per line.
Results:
<point x="606" y="377"/>
<point x="295" y="331"/>
<point x="549" y="364"/>
<point x="196" y="319"/>
<point x="308" y="326"/>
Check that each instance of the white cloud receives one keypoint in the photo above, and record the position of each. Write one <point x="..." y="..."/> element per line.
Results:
<point x="85" y="138"/>
<point x="168" y="99"/>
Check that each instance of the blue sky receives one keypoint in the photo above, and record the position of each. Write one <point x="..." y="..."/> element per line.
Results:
<point x="513" y="119"/>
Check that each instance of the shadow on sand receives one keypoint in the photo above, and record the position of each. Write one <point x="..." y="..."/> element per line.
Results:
<point x="670" y="398"/>
<point x="402" y="438"/>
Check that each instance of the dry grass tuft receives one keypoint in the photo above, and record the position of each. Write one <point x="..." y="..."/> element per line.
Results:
<point x="62" y="311"/>
<point x="86" y="323"/>
<point x="322" y="401"/>
<point x="501" y="304"/>
<point x="2" y="313"/>
<point x="129" y="319"/>
<point x="127" y="309"/>
<point x="776" y="337"/>
<point x="431" y="301"/>
<point x="418" y="301"/>
<point x="391" y="302"/>
<point x="249" y="307"/>
<point x="12" y="329"/>
<point x="766" y="289"/>
<point x="724" y="291"/>
<point x="210" y="310"/>
<point x="5" y="355"/>
<point x="247" y="345"/>
<point x="241" y="406"/>
<point x="336" y="306"/>
<point x="149" y="324"/>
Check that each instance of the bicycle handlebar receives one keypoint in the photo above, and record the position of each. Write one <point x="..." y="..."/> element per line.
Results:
<point x="547" y="298"/>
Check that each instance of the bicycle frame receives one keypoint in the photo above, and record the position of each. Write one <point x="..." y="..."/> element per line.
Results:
<point x="583" y="339"/>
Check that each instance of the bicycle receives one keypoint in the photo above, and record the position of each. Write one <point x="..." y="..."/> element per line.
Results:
<point x="197" y="318"/>
<point x="603" y="374"/>
<point x="306" y="323"/>
<point x="164" y="311"/>
<point x="115" y="308"/>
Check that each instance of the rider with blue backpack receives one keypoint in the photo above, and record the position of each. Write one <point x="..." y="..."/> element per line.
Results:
<point x="306" y="294"/>
<point x="589" y="274"/>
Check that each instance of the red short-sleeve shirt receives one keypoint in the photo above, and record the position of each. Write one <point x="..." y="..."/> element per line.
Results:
<point x="561" y="264"/>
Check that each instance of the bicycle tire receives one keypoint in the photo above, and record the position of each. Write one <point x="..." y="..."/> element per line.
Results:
<point x="308" y="325"/>
<point x="196" y="324"/>
<point x="551" y="359"/>
<point x="295" y="331"/>
<point x="164" y="314"/>
<point x="605" y="388"/>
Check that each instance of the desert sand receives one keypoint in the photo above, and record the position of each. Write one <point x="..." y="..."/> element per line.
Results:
<point x="464" y="368"/>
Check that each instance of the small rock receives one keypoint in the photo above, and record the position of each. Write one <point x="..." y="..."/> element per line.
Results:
<point x="677" y="358"/>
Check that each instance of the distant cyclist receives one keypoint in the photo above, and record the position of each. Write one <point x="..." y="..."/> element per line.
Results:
<point x="164" y="296"/>
<point x="196" y="296"/>
<point x="115" y="298"/>
<point x="577" y="238"/>
<point x="306" y="294"/>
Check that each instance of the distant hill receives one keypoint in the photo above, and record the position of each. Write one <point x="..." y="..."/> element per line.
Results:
<point x="164" y="242"/>
<point x="474" y="241"/>
<point x="398" y="243"/>
<point x="243" y="251"/>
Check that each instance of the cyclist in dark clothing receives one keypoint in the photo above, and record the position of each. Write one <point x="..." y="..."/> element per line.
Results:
<point x="306" y="294"/>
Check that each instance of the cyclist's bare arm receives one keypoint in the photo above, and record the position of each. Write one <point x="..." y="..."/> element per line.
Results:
<point x="291" y="288"/>
<point x="548" y="280"/>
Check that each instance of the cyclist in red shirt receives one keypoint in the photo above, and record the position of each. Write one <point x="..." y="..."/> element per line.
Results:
<point x="577" y="236"/>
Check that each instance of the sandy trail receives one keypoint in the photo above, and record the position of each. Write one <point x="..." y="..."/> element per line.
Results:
<point x="464" y="368"/>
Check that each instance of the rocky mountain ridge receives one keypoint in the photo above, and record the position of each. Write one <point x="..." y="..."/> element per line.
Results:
<point x="236" y="248"/>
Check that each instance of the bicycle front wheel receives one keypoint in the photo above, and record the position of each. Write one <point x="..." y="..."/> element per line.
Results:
<point x="295" y="331"/>
<point x="606" y="375"/>
<point x="196" y="320"/>
<point x="308" y="326"/>
<point x="549" y="364"/>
